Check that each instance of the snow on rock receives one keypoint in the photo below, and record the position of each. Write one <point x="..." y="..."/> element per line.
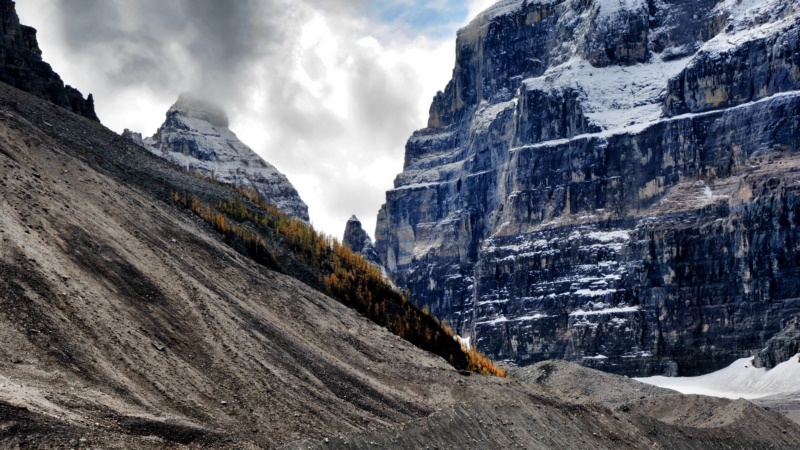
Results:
<point x="503" y="7"/>
<point x="195" y="136"/>
<point x="613" y="97"/>
<point x="739" y="380"/>
<point x="464" y="342"/>
<point x="617" y="310"/>
<point x="611" y="8"/>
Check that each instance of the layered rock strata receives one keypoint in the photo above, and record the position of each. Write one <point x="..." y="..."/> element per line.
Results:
<point x="22" y="66"/>
<point x="609" y="182"/>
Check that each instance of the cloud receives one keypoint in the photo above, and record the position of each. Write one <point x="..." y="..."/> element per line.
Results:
<point x="326" y="90"/>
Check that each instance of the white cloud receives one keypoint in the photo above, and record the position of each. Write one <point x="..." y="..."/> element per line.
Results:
<point x="475" y="7"/>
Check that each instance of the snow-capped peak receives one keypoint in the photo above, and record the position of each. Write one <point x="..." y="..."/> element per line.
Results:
<point x="195" y="136"/>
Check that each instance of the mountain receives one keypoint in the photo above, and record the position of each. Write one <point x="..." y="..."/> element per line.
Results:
<point x="128" y="320"/>
<point x="609" y="182"/>
<point x="195" y="136"/>
<point x="24" y="68"/>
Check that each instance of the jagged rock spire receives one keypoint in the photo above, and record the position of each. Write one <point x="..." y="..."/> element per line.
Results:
<point x="359" y="241"/>
<point x="21" y="66"/>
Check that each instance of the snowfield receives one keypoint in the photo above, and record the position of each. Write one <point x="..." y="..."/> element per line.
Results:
<point x="739" y="380"/>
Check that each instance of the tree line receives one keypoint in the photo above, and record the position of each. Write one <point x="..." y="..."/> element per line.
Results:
<point x="248" y="219"/>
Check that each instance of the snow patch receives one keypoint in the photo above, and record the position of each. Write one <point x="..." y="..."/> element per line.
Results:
<point x="739" y="380"/>
<point x="502" y="8"/>
<point x="613" y="97"/>
<point x="464" y="342"/>
<point x="503" y="319"/>
<point x="608" y="9"/>
<point x="594" y="293"/>
<point x="487" y="114"/>
<point x="618" y="310"/>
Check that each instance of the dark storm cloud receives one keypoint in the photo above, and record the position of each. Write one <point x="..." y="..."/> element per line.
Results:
<point x="204" y="45"/>
<point x="212" y="47"/>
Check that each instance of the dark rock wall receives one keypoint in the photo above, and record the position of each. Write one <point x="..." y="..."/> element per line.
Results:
<point x="665" y="244"/>
<point x="782" y="347"/>
<point x="725" y="77"/>
<point x="21" y="66"/>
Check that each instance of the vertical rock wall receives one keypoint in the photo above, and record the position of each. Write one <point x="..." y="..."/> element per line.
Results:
<point x="612" y="183"/>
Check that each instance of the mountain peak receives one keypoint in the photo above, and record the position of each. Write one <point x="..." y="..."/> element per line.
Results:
<point x="195" y="136"/>
<point x="359" y="241"/>
<point x="190" y="105"/>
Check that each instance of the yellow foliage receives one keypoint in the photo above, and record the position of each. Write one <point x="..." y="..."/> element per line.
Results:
<point x="344" y="275"/>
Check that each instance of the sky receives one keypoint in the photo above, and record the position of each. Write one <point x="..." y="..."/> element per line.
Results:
<point x="328" y="91"/>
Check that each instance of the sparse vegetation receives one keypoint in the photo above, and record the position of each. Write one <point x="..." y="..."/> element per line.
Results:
<point x="346" y="276"/>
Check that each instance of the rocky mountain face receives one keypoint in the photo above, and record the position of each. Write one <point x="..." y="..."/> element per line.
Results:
<point x="609" y="182"/>
<point x="359" y="241"/>
<point x="24" y="68"/>
<point x="195" y="136"/>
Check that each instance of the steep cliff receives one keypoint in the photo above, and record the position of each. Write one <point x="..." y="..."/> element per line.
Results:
<point x="609" y="182"/>
<point x="23" y="68"/>
<point x="195" y="135"/>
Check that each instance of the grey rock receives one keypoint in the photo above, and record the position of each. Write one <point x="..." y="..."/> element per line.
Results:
<point x="359" y="241"/>
<point x="21" y="66"/>
<point x="780" y="348"/>
<point x="625" y="201"/>
<point x="195" y="136"/>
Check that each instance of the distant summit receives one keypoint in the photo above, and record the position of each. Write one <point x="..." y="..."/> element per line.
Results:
<point x="21" y="66"/>
<point x="195" y="135"/>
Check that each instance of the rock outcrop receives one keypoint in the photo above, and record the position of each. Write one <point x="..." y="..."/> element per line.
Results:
<point x="359" y="241"/>
<point x="781" y="348"/>
<point x="609" y="182"/>
<point x="21" y="66"/>
<point x="195" y="136"/>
